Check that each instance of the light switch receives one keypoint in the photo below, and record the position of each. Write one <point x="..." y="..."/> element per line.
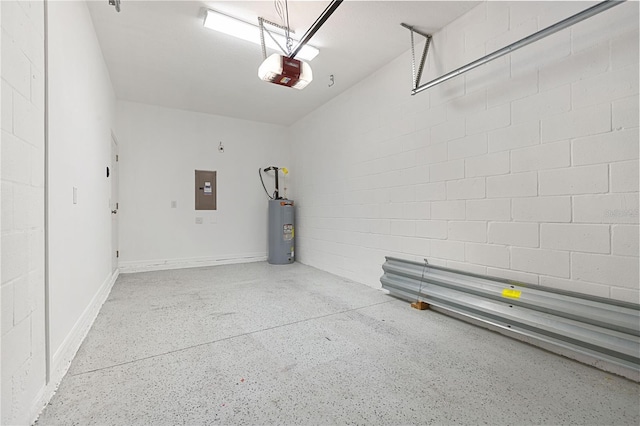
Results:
<point x="198" y="221"/>
<point x="75" y="195"/>
<point x="174" y="204"/>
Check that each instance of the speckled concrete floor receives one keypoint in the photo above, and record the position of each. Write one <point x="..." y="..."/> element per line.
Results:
<point x="264" y="344"/>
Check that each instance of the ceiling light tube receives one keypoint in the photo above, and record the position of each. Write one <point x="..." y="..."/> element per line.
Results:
<point x="249" y="32"/>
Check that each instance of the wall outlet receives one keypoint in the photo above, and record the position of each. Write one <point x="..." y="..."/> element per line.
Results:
<point x="198" y="221"/>
<point x="174" y="204"/>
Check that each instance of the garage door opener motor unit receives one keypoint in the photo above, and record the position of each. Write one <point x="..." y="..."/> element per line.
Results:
<point x="281" y="222"/>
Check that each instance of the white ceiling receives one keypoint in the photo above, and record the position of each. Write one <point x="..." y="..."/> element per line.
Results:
<point x="158" y="52"/>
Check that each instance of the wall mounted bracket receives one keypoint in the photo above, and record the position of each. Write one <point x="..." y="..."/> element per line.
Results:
<point x="565" y="23"/>
<point x="418" y="77"/>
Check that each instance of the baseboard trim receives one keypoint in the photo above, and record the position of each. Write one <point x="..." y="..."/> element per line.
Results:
<point x="166" y="264"/>
<point x="67" y="351"/>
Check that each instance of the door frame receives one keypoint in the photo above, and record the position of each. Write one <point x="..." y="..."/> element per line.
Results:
<point x="114" y="199"/>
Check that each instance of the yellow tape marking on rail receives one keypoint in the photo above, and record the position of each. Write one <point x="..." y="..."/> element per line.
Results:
<point x="511" y="294"/>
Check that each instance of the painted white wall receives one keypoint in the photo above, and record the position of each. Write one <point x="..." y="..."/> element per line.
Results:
<point x="81" y="106"/>
<point x="22" y="229"/>
<point x="160" y="149"/>
<point x="1" y="85"/>
<point x="81" y="117"/>
<point x="1" y="103"/>
<point x="525" y="168"/>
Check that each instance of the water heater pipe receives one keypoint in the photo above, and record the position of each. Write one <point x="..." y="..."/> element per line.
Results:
<point x="276" y="194"/>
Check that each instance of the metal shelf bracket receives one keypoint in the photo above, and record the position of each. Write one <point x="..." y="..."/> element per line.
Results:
<point x="418" y="77"/>
<point x="578" y="17"/>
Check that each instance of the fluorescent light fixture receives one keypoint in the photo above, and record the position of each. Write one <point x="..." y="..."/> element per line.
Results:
<point x="234" y="27"/>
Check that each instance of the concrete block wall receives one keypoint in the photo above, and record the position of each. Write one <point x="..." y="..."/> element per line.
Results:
<point x="22" y="218"/>
<point x="524" y="168"/>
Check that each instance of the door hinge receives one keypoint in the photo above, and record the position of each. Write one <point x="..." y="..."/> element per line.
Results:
<point x="117" y="206"/>
<point x="117" y="253"/>
<point x="117" y="158"/>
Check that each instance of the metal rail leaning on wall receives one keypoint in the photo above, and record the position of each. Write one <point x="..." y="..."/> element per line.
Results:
<point x="601" y="332"/>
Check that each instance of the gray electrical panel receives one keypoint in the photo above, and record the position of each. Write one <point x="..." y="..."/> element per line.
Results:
<point x="281" y="232"/>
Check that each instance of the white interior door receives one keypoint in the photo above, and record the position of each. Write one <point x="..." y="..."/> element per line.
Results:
<point x="114" y="204"/>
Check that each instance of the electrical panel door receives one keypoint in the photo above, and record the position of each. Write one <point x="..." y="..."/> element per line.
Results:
<point x="205" y="190"/>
